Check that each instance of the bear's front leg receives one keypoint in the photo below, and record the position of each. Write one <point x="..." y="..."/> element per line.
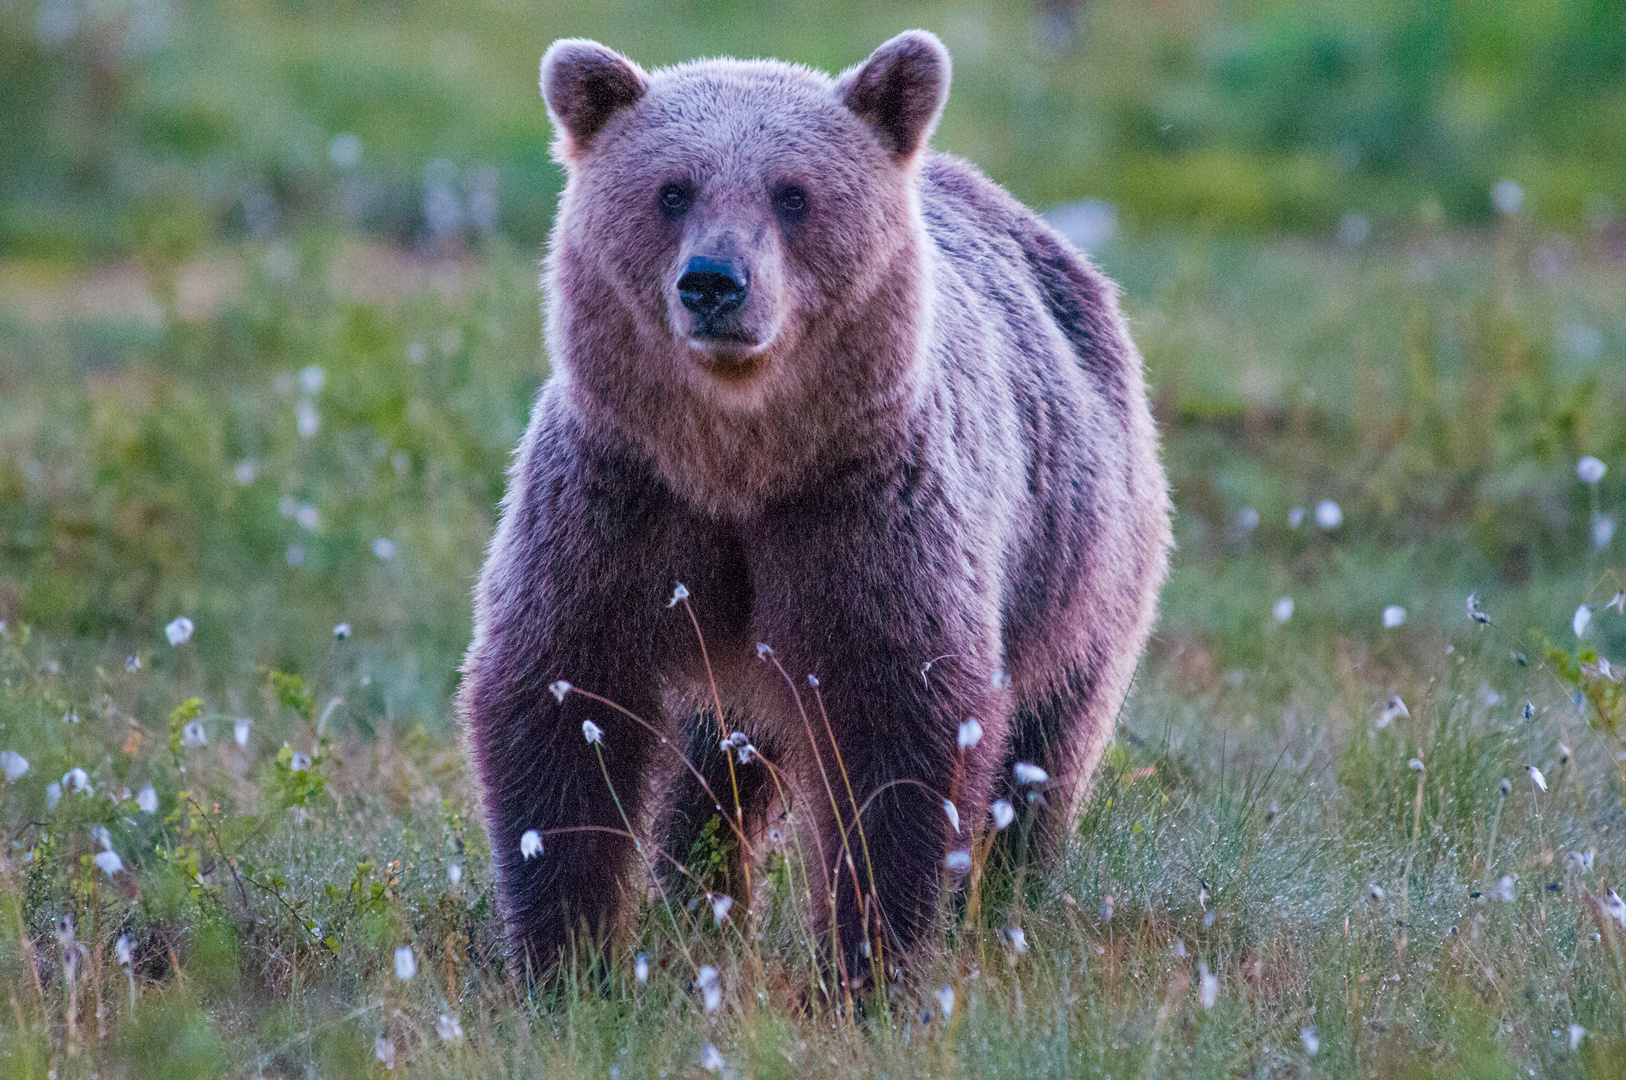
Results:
<point x="570" y="600"/>
<point x="861" y="588"/>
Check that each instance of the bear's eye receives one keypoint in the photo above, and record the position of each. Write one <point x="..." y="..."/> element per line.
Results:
<point x="791" y="202"/>
<point x="675" y="199"/>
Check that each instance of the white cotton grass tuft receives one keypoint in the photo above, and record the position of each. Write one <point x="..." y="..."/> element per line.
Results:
<point x="1018" y="939"/>
<point x="1603" y="531"/>
<point x="179" y="631"/>
<point x="53" y="795"/>
<point x="1393" y="709"/>
<point x="530" y="844"/>
<point x="384" y="548"/>
<point x="1328" y="514"/>
<point x="1375" y="891"/>
<point x="110" y="862"/>
<point x="449" y="1028"/>
<point x="342" y="632"/>
<point x="193" y="734"/>
<point x="1577" y="1033"/>
<point x="13" y="764"/>
<point x="1282" y="610"/>
<point x="958" y="860"/>
<point x="1474" y="614"/>
<point x="1207" y="986"/>
<point x="76" y="779"/>
<point x="764" y="650"/>
<point x="384" y="1050"/>
<point x="1394" y="615"/>
<point x="1003" y="813"/>
<point x="970" y="733"/>
<point x="953" y="814"/>
<point x="406" y="964"/>
<point x="945" y="1001"/>
<point x="1295" y="517"/>
<point x="147" y="800"/>
<point x="299" y="762"/>
<point x="711" y="989"/>
<point x="1312" y="1042"/>
<point x="720" y="907"/>
<point x="1614" y="907"/>
<point x="1618" y="602"/>
<point x="1581" y="620"/>
<point x="123" y="950"/>
<point x="1029" y="773"/>
<point x="1179" y="950"/>
<point x="1590" y="469"/>
<point x="1504" y="889"/>
<point x="679" y="594"/>
<point x="1416" y="765"/>
<point x="240" y="730"/>
<point x="100" y="834"/>
<point x="1536" y="778"/>
<point x="454" y="873"/>
<point x="640" y="967"/>
<point x="711" y="1058"/>
<point x="559" y="688"/>
<point x="592" y="732"/>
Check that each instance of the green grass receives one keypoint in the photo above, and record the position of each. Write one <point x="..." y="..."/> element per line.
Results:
<point x="1439" y="382"/>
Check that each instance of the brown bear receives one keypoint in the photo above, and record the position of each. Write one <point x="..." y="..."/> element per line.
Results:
<point x="814" y="387"/>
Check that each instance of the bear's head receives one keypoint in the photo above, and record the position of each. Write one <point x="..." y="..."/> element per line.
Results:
<point x="722" y="218"/>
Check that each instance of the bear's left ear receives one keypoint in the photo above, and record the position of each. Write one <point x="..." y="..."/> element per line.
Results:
<point x="900" y="90"/>
<point x="584" y="84"/>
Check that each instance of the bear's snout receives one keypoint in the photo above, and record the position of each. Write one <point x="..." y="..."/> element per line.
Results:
<point x="711" y="288"/>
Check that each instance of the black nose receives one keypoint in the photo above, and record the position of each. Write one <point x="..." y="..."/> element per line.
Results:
<point x="710" y="287"/>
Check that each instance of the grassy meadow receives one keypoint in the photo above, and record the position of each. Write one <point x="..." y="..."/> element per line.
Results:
<point x="269" y="329"/>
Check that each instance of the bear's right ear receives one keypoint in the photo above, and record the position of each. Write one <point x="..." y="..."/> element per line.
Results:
<point x="900" y="90"/>
<point x="585" y="83"/>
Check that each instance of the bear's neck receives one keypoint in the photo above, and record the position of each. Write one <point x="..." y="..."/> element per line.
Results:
<point x="845" y="389"/>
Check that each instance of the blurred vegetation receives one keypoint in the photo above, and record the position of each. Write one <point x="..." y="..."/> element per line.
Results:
<point x="269" y="330"/>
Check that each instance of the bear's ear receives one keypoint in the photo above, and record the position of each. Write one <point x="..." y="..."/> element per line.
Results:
<point x="584" y="83"/>
<point x="900" y="90"/>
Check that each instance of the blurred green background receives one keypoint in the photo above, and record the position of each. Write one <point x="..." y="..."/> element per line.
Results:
<point x="269" y="322"/>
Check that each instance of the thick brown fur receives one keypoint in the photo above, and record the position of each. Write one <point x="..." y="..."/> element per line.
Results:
<point x="922" y="437"/>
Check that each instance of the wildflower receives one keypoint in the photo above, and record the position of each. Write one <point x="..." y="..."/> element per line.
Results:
<point x="711" y="991"/>
<point x="123" y="950"/>
<point x="342" y="631"/>
<point x="148" y="800"/>
<point x="1618" y="602"/>
<point x="76" y="779"/>
<point x="1577" y="1033"/>
<point x="13" y="764"/>
<point x="239" y="730"/>
<point x="1474" y="614"/>
<point x="711" y="1059"/>
<point x="384" y="548"/>
<point x="1207" y="986"/>
<point x="449" y="1028"/>
<point x="1590" y="469"/>
<point x="1614" y="907"/>
<point x="1295" y="517"/>
<point x="299" y="762"/>
<point x="179" y="631"/>
<point x="1311" y="1042"/>
<point x="592" y="732"/>
<point x="530" y="844"/>
<point x="1029" y="773"/>
<point x="1003" y="813"/>
<point x="720" y="906"/>
<point x="132" y="664"/>
<point x="958" y="860"/>
<point x="1507" y="786"/>
<point x="1018" y="939"/>
<point x="1328" y="514"/>
<point x="970" y="733"/>
<point x="454" y="873"/>
<point x="559" y="689"/>
<point x="1504" y="889"/>
<point x="53" y="795"/>
<point x="1393" y="709"/>
<point x="679" y="594"/>
<point x="764" y="650"/>
<point x="1415" y="765"/>
<point x="1583" y="618"/>
<point x="640" y="967"/>
<point x="1393" y="615"/>
<point x="1536" y="778"/>
<point x="384" y="1051"/>
<point x="953" y="815"/>
<point x="193" y="735"/>
<point x="1283" y="610"/>
<point x="1375" y="891"/>
<point x="406" y="965"/>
